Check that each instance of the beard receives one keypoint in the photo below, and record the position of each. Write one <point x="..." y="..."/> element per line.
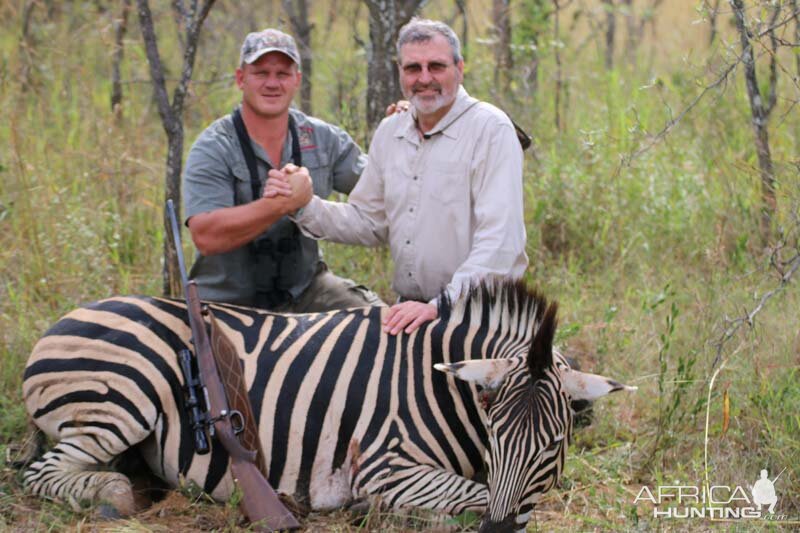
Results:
<point x="429" y="103"/>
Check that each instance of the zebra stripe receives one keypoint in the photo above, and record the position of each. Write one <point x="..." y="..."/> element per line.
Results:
<point x="344" y="410"/>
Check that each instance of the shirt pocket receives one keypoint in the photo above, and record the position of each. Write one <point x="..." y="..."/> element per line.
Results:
<point x="243" y="189"/>
<point x="319" y="166"/>
<point x="448" y="183"/>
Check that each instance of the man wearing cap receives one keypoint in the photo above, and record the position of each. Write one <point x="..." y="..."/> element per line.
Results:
<point x="443" y="185"/>
<point x="248" y="251"/>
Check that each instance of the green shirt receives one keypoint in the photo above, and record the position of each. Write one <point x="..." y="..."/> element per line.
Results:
<point x="216" y="176"/>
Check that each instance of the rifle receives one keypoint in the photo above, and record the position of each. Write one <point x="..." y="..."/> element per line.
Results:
<point x="260" y="504"/>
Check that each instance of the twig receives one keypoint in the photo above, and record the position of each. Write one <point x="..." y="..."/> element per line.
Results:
<point x="748" y="317"/>
<point x="671" y="123"/>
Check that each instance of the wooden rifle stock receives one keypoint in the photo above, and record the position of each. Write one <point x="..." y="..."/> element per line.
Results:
<point x="259" y="501"/>
<point x="260" y="504"/>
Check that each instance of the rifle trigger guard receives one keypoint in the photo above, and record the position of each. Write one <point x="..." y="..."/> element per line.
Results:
<point x="237" y="421"/>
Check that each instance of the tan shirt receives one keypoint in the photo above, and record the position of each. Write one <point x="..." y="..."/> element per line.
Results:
<point x="449" y="205"/>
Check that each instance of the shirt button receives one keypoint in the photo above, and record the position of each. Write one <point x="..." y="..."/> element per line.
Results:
<point x="409" y="274"/>
<point x="415" y="178"/>
<point x="408" y="242"/>
<point x="411" y="209"/>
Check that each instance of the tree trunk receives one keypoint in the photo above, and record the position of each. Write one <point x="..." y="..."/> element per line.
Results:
<point x="632" y="34"/>
<point x="172" y="117"/>
<point x="611" y="29"/>
<point x="530" y="29"/>
<point x="462" y="9"/>
<point x="713" y="12"/>
<point x="557" y="53"/>
<point x="386" y="17"/>
<point x="795" y="8"/>
<point x="297" y="10"/>
<point x="26" y="45"/>
<point x="503" y="58"/>
<point x="120" y="27"/>
<point x="760" y="115"/>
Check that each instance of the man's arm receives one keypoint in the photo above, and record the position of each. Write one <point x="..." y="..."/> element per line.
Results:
<point x="229" y="228"/>
<point x="216" y="225"/>
<point x="348" y="161"/>
<point x="360" y="220"/>
<point x="498" y="244"/>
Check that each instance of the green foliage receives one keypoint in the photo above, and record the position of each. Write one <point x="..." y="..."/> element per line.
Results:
<point x="648" y="241"/>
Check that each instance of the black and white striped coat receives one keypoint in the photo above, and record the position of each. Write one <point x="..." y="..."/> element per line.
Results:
<point x="344" y="410"/>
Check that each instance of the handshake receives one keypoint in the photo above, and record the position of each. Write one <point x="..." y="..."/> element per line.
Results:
<point x="291" y="186"/>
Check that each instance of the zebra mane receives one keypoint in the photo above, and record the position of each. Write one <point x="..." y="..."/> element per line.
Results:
<point x="511" y="306"/>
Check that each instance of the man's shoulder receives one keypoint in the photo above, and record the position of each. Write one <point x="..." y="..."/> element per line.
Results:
<point x="219" y="133"/>
<point x="314" y="124"/>
<point x="317" y="134"/>
<point x="490" y="114"/>
<point x="393" y="126"/>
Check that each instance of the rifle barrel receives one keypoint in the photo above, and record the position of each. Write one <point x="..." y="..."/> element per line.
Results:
<point x="176" y="239"/>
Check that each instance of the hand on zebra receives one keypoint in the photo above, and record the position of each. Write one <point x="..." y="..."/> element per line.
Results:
<point x="408" y="315"/>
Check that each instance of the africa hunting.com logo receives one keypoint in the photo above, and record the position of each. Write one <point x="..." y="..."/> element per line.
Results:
<point x="714" y="501"/>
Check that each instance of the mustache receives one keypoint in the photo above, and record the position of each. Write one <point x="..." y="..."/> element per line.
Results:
<point x="423" y="86"/>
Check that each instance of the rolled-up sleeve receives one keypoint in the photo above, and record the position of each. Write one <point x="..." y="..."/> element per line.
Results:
<point x="208" y="182"/>
<point x="498" y="243"/>
<point x="348" y="160"/>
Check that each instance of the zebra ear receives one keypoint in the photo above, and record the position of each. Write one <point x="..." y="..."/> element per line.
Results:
<point x="584" y="386"/>
<point x="540" y="356"/>
<point x="487" y="373"/>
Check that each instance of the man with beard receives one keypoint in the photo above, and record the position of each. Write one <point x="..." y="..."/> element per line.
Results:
<point x="442" y="186"/>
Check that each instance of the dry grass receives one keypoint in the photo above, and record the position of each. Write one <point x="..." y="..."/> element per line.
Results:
<point x="648" y="258"/>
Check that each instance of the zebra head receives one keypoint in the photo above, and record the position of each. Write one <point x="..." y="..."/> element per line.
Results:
<point x="526" y="399"/>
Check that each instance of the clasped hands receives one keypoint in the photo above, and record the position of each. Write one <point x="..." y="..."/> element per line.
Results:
<point x="292" y="185"/>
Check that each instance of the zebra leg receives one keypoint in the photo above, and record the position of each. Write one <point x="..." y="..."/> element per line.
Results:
<point x="403" y="483"/>
<point x="69" y="473"/>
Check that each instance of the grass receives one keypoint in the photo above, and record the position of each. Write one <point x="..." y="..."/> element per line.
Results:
<point x="648" y="256"/>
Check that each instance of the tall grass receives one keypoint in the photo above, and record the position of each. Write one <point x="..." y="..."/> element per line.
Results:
<point x="649" y="256"/>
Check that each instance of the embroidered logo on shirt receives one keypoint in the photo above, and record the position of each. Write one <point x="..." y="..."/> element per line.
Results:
<point x="306" y="134"/>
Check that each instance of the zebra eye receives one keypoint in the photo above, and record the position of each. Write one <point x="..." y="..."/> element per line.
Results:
<point x="555" y="442"/>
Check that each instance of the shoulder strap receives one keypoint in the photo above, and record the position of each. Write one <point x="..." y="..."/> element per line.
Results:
<point x="247" y="150"/>
<point x="296" y="157"/>
<point x="250" y="156"/>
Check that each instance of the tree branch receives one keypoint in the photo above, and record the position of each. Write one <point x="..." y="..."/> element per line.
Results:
<point x="154" y="61"/>
<point x="120" y="27"/>
<point x="671" y="123"/>
<point x="772" y="95"/>
<point x="786" y="269"/>
<point x="192" y="36"/>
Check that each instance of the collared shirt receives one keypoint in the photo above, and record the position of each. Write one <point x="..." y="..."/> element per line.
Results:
<point x="449" y="204"/>
<point x="216" y="176"/>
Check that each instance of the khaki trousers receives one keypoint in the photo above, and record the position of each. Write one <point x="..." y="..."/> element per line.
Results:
<point x="329" y="292"/>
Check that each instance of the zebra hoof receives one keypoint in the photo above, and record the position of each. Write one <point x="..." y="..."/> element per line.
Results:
<point x="360" y="508"/>
<point x="117" y="494"/>
<point x="106" y="511"/>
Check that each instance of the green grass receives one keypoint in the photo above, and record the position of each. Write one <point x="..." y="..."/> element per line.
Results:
<point x="648" y="256"/>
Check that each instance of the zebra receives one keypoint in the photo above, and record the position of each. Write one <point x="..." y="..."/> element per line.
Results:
<point x="345" y="412"/>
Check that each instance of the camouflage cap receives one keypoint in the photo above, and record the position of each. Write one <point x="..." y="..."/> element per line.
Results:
<point x="258" y="43"/>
